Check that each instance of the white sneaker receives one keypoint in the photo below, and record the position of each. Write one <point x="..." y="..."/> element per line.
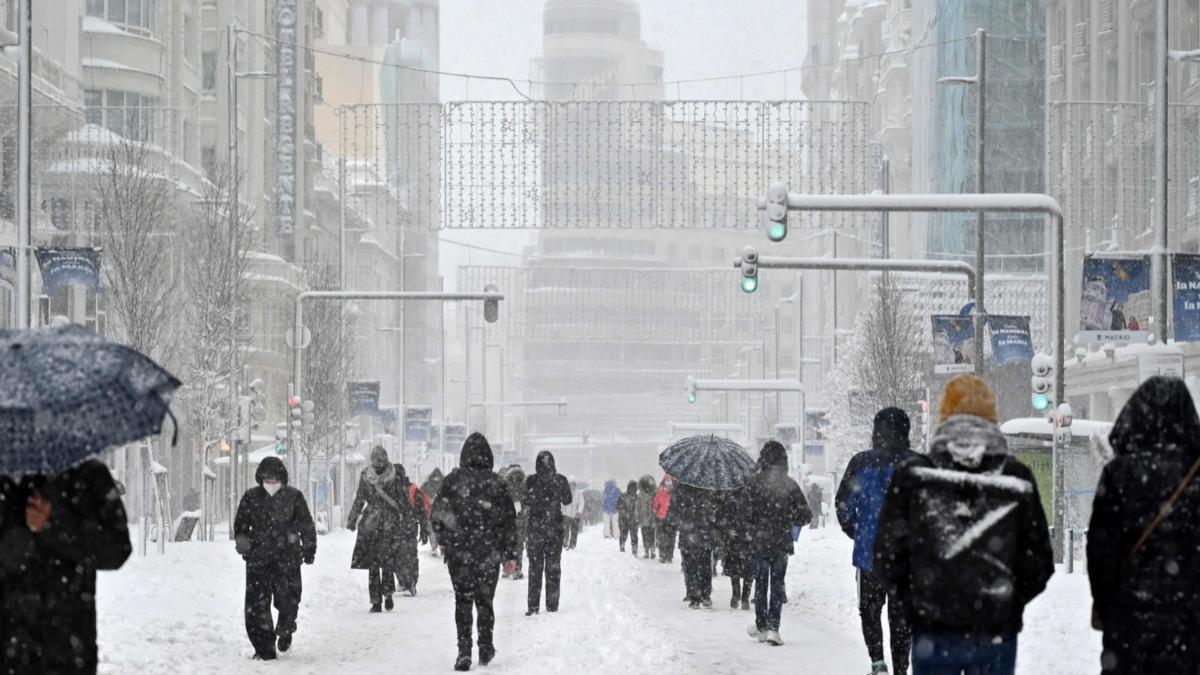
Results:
<point x="772" y="638"/>
<point x="753" y="631"/>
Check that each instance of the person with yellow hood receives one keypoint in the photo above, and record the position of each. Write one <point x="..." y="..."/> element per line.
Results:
<point x="963" y="536"/>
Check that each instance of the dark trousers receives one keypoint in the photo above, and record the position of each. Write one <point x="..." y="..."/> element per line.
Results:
<point x="665" y="540"/>
<point x="741" y="588"/>
<point x="266" y="585"/>
<point x="982" y="654"/>
<point x="570" y="532"/>
<point x="474" y="588"/>
<point x="697" y="571"/>
<point x="872" y="594"/>
<point x="770" y="573"/>
<point x="544" y="556"/>
<point x="648" y="540"/>
<point x="632" y="532"/>
<point x="408" y="569"/>
<point x="381" y="581"/>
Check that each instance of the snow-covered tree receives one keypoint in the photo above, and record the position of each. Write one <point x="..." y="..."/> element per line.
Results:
<point x="328" y="364"/>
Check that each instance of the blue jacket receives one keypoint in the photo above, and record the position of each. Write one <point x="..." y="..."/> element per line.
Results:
<point x="868" y="475"/>
<point x="612" y="496"/>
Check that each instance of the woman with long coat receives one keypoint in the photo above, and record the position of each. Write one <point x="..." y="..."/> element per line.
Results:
<point x="431" y="486"/>
<point x="1143" y="556"/>
<point x="627" y="516"/>
<point x="735" y="537"/>
<point x="414" y="529"/>
<point x="646" y="519"/>
<point x="377" y="514"/>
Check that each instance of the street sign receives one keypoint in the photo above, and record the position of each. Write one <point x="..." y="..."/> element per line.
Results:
<point x="418" y="423"/>
<point x="1167" y="365"/>
<point x="289" y="338"/>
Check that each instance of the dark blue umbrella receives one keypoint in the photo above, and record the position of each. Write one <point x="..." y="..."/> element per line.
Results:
<point x="66" y="394"/>
<point x="707" y="462"/>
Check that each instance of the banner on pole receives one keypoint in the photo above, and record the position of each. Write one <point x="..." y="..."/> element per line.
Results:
<point x="1011" y="340"/>
<point x="456" y="435"/>
<point x="63" y="266"/>
<point x="364" y="398"/>
<point x="1186" y="274"/>
<point x="418" y="423"/>
<point x="1115" y="303"/>
<point x="953" y="343"/>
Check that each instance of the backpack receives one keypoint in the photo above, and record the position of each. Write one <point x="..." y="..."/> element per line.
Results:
<point x="413" y="491"/>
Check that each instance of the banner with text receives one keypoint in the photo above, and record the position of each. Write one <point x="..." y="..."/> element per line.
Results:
<point x="1115" y="303"/>
<point x="1186" y="272"/>
<point x="364" y="398"/>
<point x="63" y="266"/>
<point x="1011" y="340"/>
<point x="418" y="423"/>
<point x="953" y="344"/>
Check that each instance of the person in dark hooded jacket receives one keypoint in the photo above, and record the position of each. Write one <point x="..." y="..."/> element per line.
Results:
<point x="514" y="477"/>
<point x="612" y="498"/>
<point x="431" y="486"/>
<point x="735" y="539"/>
<point x="1144" y="597"/>
<point x="694" y="514"/>
<point x="546" y="492"/>
<point x="274" y="532"/>
<point x="476" y="525"/>
<point x="859" y="501"/>
<point x="963" y="535"/>
<point x="627" y="516"/>
<point x="775" y="504"/>
<point x="56" y="531"/>
<point x="378" y="513"/>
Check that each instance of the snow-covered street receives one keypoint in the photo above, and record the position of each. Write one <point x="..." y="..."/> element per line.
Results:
<point x="182" y="613"/>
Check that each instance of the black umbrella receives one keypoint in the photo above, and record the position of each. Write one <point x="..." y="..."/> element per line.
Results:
<point x="707" y="462"/>
<point x="66" y="394"/>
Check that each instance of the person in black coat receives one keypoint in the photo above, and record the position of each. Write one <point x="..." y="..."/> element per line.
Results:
<point x="627" y="516"/>
<point x="56" y="531"/>
<point x="735" y="538"/>
<point x="963" y="536"/>
<point x="476" y="525"/>
<point x="774" y="505"/>
<point x="694" y="514"/>
<point x="431" y="487"/>
<point x="378" y="514"/>
<point x="1145" y="600"/>
<point x="274" y="533"/>
<point x="546" y="492"/>
<point x="414" y="529"/>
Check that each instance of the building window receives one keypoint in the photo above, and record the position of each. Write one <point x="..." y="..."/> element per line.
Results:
<point x="582" y="24"/>
<point x="124" y="113"/>
<point x="208" y="69"/>
<point x="135" y="16"/>
<point x="208" y="160"/>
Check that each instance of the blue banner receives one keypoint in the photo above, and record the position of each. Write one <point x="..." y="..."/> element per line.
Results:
<point x="1115" y="303"/>
<point x="1186" y="268"/>
<point x="63" y="266"/>
<point x="418" y="424"/>
<point x="953" y="343"/>
<point x="1011" y="340"/>
<point x="364" y="398"/>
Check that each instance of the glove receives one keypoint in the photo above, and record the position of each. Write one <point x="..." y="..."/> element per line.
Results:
<point x="351" y="525"/>
<point x="242" y="543"/>
<point x="308" y="558"/>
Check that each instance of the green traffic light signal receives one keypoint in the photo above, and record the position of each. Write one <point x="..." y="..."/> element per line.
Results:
<point x="749" y="284"/>
<point x="691" y="398"/>
<point x="1041" y="402"/>
<point x="777" y="232"/>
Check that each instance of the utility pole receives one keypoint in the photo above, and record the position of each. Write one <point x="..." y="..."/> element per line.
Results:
<point x="1160" y="284"/>
<point x="24" y="163"/>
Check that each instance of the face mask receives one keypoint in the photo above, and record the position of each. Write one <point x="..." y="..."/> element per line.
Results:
<point x="272" y="486"/>
<point x="381" y="469"/>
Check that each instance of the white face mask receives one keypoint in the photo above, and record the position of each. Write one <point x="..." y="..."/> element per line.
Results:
<point x="272" y="486"/>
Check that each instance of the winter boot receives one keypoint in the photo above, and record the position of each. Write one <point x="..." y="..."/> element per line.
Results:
<point x="622" y="548"/>
<point x="486" y="654"/>
<point x="879" y="667"/>
<point x="745" y="604"/>
<point x="284" y="643"/>
<point x="706" y="603"/>
<point x="531" y="611"/>
<point x="635" y="550"/>
<point x="375" y="608"/>
<point x="757" y="633"/>
<point x="412" y="591"/>
<point x="694" y="604"/>
<point x="264" y="657"/>
<point x="388" y="603"/>
<point x="773" y="638"/>
<point x="463" y="663"/>
<point x="733" y="604"/>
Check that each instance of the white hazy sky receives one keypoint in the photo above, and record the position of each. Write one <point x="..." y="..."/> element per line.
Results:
<point x="699" y="38"/>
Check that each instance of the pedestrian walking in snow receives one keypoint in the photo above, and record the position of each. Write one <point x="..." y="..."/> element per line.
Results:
<point x="627" y="516"/>
<point x="664" y="535"/>
<point x="56" y="531"/>
<point x="816" y="501"/>
<point x="647" y="522"/>
<point x="1143" y="560"/>
<point x="414" y="530"/>
<point x="431" y="486"/>
<point x="274" y="533"/>
<point x="379" y="514"/>
<point x="775" y="505"/>
<point x="572" y="513"/>
<point x="963" y="534"/>
<point x="546" y="493"/>
<point x="735" y="542"/>
<point x="514" y="478"/>
<point x="593" y="506"/>
<point x="694" y="514"/>
<point x="476" y="525"/>
<point x="859" y="501"/>
<point x="612" y="497"/>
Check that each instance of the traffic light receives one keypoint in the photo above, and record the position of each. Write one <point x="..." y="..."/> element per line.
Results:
<point x="294" y="412"/>
<point x="1063" y="417"/>
<point x="1042" y="383"/>
<point x="691" y="389"/>
<point x="777" y="212"/>
<point x="491" y="308"/>
<point x="258" y="402"/>
<point x="308" y="418"/>
<point x="749" y="270"/>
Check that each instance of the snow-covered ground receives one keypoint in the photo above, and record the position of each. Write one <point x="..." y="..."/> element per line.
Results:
<point x="182" y="613"/>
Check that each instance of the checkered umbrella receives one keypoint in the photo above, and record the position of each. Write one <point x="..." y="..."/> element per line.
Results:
<point x="707" y="462"/>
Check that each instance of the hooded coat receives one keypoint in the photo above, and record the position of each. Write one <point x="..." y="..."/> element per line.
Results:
<point x="627" y="506"/>
<point x="514" y="479"/>
<point x="432" y="483"/>
<point x="774" y="504"/>
<point x="734" y="531"/>
<point x="644" y="510"/>
<point x="1147" y="604"/>
<point x="382" y="513"/>
<point x="612" y="496"/>
<point x="860" y="495"/>
<point x="48" y="579"/>
<point x="278" y="529"/>
<point x="473" y="514"/>
<point x="546" y="492"/>
<point x="662" y="498"/>
<point x="962" y="530"/>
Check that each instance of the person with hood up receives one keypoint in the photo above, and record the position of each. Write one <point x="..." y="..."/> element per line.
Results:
<point x="514" y="477"/>
<point x="546" y="492"/>
<point x="859" y="501"/>
<point x="378" y="513"/>
<point x="56" y="531"/>
<point x="612" y="498"/>
<point x="572" y="514"/>
<point x="431" y="486"/>
<point x="627" y="516"/>
<point x="476" y="525"/>
<point x="644" y="512"/>
<point x="1143" y="560"/>
<point x="963" y="536"/>
<point x="735" y="538"/>
<point x="694" y="514"/>
<point x="774" y="505"/>
<point x="664" y="535"/>
<point x="816" y="501"/>
<point x="414" y="530"/>
<point x="274" y="533"/>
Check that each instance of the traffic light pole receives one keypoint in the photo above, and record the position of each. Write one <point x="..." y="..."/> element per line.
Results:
<point x="694" y="385"/>
<point x="867" y="265"/>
